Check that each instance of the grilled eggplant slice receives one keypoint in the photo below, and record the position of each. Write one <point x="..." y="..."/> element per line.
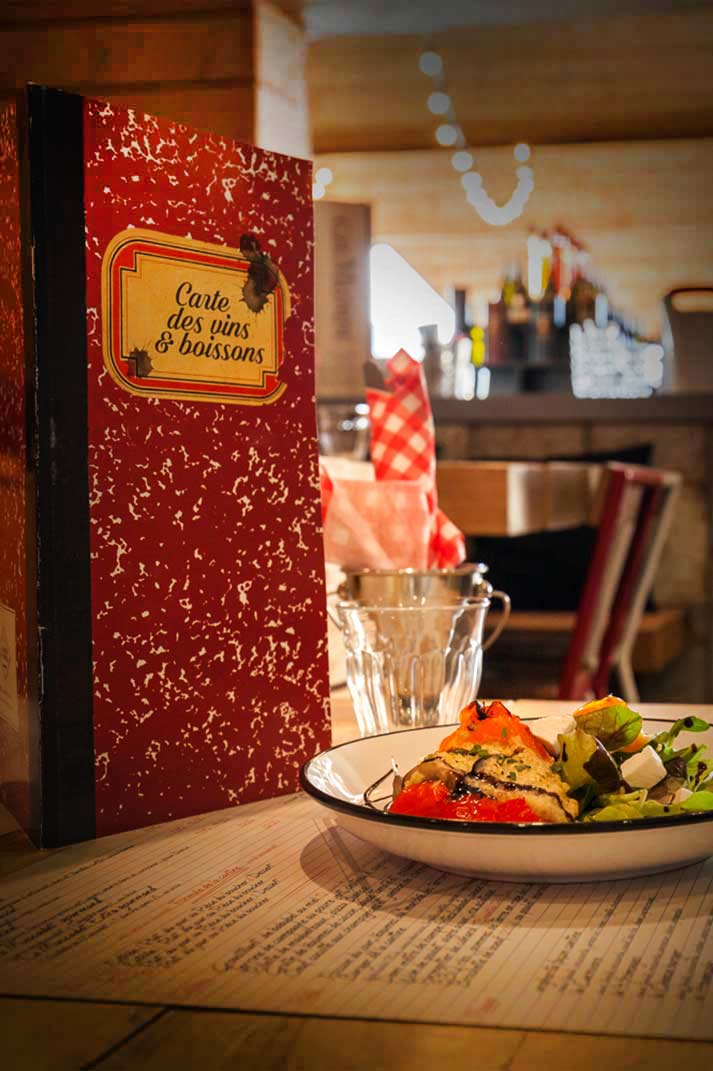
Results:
<point x="523" y="775"/>
<point x="446" y="766"/>
<point x="517" y="773"/>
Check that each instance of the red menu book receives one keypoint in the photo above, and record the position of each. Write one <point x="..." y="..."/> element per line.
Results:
<point x="162" y="629"/>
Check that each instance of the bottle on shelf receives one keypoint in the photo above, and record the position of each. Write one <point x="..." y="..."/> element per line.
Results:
<point x="497" y="345"/>
<point x="464" y="369"/>
<point x="431" y="360"/>
<point x="541" y="290"/>
<point x="544" y="336"/>
<point x="517" y="315"/>
<point x="563" y="258"/>
<point x="581" y="306"/>
<point x="601" y="307"/>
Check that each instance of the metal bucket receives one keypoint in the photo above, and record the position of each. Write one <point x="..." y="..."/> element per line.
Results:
<point x="415" y="587"/>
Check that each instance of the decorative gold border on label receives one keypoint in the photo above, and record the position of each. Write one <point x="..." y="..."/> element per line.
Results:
<point x="122" y="255"/>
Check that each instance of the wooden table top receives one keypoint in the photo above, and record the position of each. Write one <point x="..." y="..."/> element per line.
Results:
<point x="505" y="498"/>
<point x="514" y="498"/>
<point x="71" y="1034"/>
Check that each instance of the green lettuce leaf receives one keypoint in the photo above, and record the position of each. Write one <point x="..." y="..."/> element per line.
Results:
<point x="699" y="801"/>
<point x="614" y="726"/>
<point x="617" y="812"/>
<point x="690" y="763"/>
<point x="628" y="805"/>
<point x="698" y="770"/>
<point x="609" y="799"/>
<point x="663" y="742"/>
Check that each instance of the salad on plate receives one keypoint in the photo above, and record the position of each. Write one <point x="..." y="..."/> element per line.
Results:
<point x="595" y="765"/>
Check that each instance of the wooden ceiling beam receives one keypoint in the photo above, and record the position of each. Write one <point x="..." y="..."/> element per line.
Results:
<point x="599" y="79"/>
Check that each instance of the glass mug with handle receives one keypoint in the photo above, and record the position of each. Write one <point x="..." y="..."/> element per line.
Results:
<point x="414" y="651"/>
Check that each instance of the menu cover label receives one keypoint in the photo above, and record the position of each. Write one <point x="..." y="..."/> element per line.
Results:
<point x="190" y="320"/>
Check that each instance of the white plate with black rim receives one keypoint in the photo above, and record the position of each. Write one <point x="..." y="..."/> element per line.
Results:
<point x="337" y="779"/>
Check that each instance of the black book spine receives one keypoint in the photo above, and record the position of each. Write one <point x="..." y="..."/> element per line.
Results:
<point x="58" y="415"/>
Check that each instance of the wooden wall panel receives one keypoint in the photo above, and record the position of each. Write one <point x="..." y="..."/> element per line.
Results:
<point x="643" y="209"/>
<point x="193" y="66"/>
<point x="342" y="237"/>
<point x="236" y="67"/>
<point x="227" y="111"/>
<point x="281" y="120"/>
<point x="594" y="79"/>
<point x="205" y="48"/>
<point x="36" y="11"/>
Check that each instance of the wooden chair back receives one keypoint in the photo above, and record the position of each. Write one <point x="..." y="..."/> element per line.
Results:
<point x="637" y="505"/>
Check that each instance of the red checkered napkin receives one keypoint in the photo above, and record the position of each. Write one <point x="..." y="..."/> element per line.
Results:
<point x="403" y="447"/>
<point x="374" y="524"/>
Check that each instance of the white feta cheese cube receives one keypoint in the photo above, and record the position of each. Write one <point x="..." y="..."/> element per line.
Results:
<point x="643" y="770"/>
<point x="681" y="795"/>
<point x="548" y="729"/>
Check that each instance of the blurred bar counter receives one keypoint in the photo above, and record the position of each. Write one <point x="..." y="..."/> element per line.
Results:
<point x="562" y="408"/>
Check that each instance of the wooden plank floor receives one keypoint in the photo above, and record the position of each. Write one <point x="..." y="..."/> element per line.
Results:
<point x="71" y="1036"/>
<point x="58" y="1035"/>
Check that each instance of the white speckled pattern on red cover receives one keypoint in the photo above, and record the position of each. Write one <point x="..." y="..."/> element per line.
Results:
<point x="14" y="744"/>
<point x="209" y="637"/>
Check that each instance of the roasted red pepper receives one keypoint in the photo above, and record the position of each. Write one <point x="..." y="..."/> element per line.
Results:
<point x="432" y="799"/>
<point x="492" y="726"/>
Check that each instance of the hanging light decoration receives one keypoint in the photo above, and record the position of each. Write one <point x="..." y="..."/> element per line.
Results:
<point x="449" y="133"/>
<point x="322" y="179"/>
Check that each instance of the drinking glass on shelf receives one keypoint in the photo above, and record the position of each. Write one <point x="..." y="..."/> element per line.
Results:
<point x="343" y="431"/>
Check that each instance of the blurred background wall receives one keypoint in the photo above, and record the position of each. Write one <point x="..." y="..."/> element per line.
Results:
<point x="615" y="102"/>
